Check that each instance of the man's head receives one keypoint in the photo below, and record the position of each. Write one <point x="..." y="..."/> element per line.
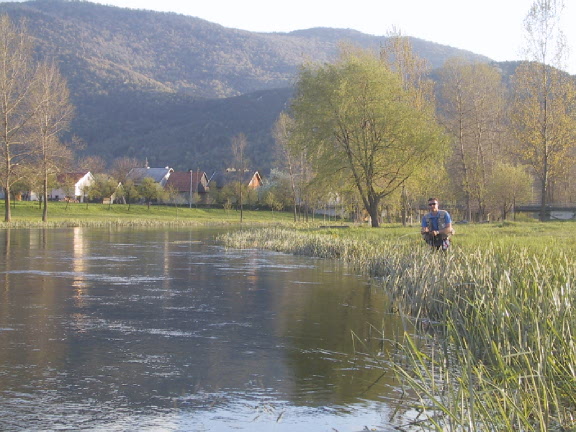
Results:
<point x="433" y="204"/>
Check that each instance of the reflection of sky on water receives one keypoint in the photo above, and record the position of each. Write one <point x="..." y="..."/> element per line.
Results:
<point x="128" y="329"/>
<point x="214" y="412"/>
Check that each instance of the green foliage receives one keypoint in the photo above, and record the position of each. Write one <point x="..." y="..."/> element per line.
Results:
<point x="128" y="192"/>
<point x="272" y="201"/>
<point x="150" y="191"/>
<point x="102" y="187"/>
<point x="277" y="193"/>
<point x="360" y="126"/>
<point x="508" y="184"/>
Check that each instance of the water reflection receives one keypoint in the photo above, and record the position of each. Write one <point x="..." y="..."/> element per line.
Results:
<point x="142" y="329"/>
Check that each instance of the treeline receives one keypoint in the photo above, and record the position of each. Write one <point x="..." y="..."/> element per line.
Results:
<point x="366" y="129"/>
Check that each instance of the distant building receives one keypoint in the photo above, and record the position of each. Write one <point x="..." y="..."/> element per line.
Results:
<point x="252" y="179"/>
<point x="188" y="183"/>
<point x="71" y="186"/>
<point x="159" y="175"/>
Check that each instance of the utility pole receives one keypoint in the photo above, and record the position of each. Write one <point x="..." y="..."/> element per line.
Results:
<point x="190" y="199"/>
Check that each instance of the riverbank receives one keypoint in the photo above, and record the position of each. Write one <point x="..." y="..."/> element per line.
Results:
<point x="498" y="313"/>
<point x="29" y="215"/>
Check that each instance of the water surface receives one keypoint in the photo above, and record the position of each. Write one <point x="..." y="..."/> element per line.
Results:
<point x="165" y="330"/>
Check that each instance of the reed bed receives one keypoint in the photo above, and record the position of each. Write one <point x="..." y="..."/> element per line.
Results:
<point x="496" y="350"/>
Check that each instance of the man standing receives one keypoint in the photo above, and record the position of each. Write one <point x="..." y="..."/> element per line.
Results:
<point x="437" y="226"/>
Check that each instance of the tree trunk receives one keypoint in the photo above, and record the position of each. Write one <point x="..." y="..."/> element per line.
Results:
<point x="373" y="212"/>
<point x="7" y="212"/>
<point x="45" y="198"/>
<point x="404" y="206"/>
<point x="543" y="202"/>
<point x="241" y="205"/>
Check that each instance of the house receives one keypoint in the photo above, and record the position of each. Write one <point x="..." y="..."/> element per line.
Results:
<point x="71" y="186"/>
<point x="188" y="183"/>
<point x="252" y="179"/>
<point x="159" y="175"/>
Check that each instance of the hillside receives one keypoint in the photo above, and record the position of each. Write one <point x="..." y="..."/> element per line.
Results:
<point x="175" y="88"/>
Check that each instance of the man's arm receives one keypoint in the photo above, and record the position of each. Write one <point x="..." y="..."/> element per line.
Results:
<point x="424" y="225"/>
<point x="447" y="229"/>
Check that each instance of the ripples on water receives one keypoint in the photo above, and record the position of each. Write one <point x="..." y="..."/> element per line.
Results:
<point x="146" y="330"/>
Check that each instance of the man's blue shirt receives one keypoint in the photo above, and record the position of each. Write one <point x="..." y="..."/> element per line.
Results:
<point x="434" y="220"/>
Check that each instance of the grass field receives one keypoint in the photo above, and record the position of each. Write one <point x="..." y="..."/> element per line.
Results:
<point x="28" y="214"/>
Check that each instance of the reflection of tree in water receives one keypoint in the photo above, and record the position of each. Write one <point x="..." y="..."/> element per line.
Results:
<point x="29" y="333"/>
<point x="5" y="240"/>
<point x="329" y="367"/>
<point x="161" y="320"/>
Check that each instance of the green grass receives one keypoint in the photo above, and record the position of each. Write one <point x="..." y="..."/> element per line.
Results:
<point x="497" y="314"/>
<point x="28" y="214"/>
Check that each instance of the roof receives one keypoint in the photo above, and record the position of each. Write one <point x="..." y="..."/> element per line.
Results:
<point x="71" y="177"/>
<point x="180" y="181"/>
<point x="225" y="177"/>
<point x="157" y="174"/>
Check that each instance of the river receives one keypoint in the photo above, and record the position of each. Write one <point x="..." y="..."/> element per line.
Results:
<point x="124" y="329"/>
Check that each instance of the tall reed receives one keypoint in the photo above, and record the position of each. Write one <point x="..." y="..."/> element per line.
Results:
<point x="506" y="358"/>
<point x="498" y="352"/>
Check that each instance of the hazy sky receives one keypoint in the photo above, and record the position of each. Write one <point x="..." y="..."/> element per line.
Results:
<point x="490" y="27"/>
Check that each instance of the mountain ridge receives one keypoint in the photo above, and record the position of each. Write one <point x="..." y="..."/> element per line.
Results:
<point x="134" y="74"/>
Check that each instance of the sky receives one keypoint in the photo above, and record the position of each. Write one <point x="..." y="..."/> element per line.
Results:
<point x="493" y="28"/>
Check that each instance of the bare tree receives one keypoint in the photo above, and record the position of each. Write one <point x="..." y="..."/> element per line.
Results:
<point x="122" y="166"/>
<point x="94" y="164"/>
<point x="413" y="71"/>
<point x="17" y="82"/>
<point x="239" y="143"/>
<point x="53" y="115"/>
<point x="544" y="98"/>
<point x="282" y="132"/>
<point x="472" y="106"/>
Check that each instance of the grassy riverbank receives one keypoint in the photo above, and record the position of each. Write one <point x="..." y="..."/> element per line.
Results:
<point x="499" y="310"/>
<point x="28" y="214"/>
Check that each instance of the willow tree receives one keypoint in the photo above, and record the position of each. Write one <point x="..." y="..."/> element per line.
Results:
<point x="360" y="124"/>
<point x="544" y="100"/>
<point x="414" y="72"/>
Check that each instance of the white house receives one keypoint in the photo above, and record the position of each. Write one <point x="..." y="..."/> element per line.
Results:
<point x="71" y="183"/>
